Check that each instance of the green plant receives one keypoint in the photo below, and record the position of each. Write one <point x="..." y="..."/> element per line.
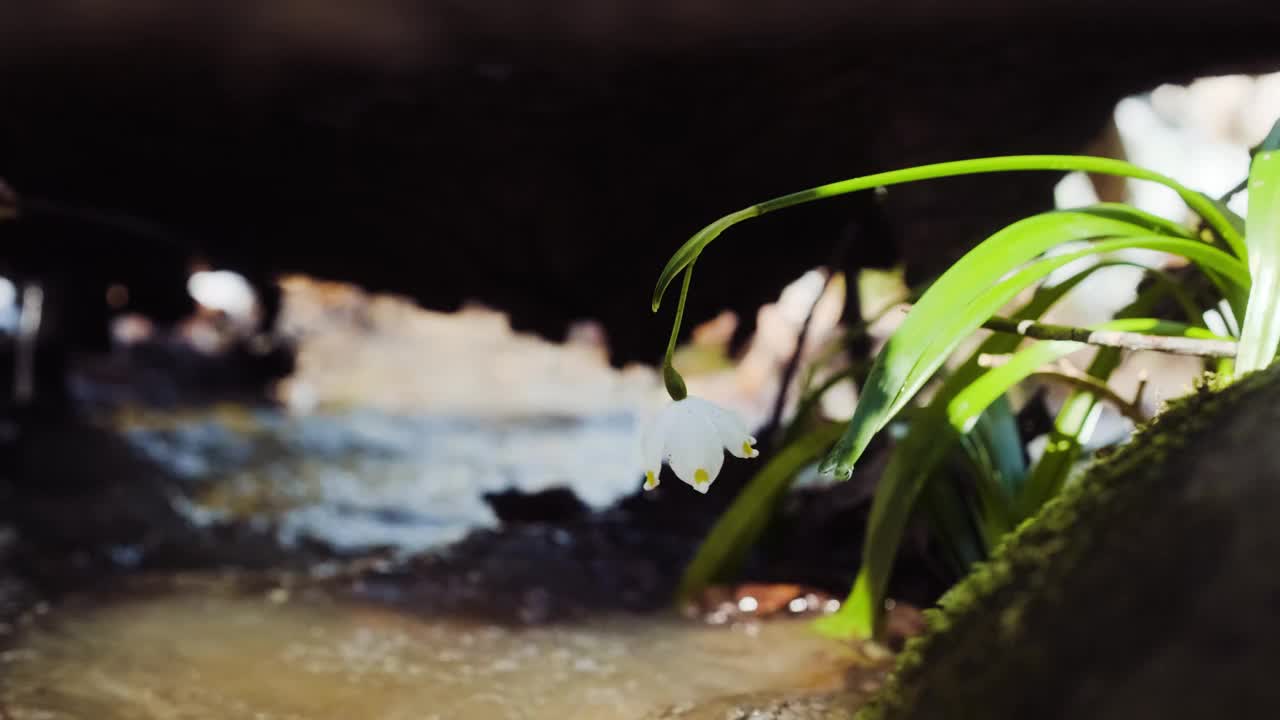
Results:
<point x="968" y="420"/>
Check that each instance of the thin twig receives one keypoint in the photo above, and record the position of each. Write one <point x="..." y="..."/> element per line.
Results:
<point x="1226" y="198"/>
<point x="1064" y="372"/>
<point x="773" y="429"/>
<point x="1084" y="381"/>
<point x="793" y="362"/>
<point x="1114" y="338"/>
<point x="1142" y="388"/>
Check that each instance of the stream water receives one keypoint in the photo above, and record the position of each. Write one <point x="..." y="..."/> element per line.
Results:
<point x="204" y="649"/>
<point x="396" y="434"/>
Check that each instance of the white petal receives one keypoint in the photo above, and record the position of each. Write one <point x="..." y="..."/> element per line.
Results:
<point x="693" y="446"/>
<point x="730" y="429"/>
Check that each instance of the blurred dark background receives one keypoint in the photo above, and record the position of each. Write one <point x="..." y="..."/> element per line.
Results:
<point x="545" y="158"/>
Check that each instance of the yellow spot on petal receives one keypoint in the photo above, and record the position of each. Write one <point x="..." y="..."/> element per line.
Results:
<point x="747" y="449"/>
<point x="700" y="476"/>
<point x="650" y="481"/>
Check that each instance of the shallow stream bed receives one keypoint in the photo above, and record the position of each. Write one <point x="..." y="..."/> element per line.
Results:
<point x="202" y="648"/>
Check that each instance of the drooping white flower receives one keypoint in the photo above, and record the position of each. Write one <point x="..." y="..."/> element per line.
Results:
<point x="691" y="436"/>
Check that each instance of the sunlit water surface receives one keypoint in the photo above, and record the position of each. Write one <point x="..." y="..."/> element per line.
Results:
<point x="204" y="652"/>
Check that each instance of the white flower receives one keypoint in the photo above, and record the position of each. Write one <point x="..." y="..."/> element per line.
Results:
<point x="691" y="436"/>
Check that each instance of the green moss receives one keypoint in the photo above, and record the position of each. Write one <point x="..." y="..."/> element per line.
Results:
<point x="1087" y="592"/>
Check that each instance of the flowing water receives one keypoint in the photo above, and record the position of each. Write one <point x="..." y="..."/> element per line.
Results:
<point x="395" y="431"/>
<point x="205" y="650"/>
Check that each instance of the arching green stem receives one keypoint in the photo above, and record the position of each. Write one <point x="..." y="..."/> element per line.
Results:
<point x="675" y="384"/>
<point x="1203" y="205"/>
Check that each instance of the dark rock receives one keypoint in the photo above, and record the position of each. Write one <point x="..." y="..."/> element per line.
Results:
<point x="84" y="505"/>
<point x="1148" y="590"/>
<point x="87" y="503"/>
<point x="557" y="505"/>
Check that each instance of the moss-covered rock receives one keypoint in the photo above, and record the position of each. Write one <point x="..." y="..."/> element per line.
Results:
<point x="1149" y="589"/>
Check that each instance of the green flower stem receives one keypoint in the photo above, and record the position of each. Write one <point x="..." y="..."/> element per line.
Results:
<point x="670" y="377"/>
<point x="1260" y="328"/>
<point x="1203" y="205"/>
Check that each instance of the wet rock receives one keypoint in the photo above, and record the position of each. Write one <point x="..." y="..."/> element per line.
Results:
<point x="87" y="505"/>
<point x="556" y="506"/>
<point x="393" y="508"/>
<point x="444" y="464"/>
<point x="533" y="574"/>
<point x="16" y="592"/>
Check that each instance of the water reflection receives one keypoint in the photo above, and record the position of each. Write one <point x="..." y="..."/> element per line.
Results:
<point x="208" y="651"/>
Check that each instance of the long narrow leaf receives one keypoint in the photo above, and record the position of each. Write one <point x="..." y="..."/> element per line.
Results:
<point x="932" y="435"/>
<point x="963" y="411"/>
<point x="1045" y="298"/>
<point x="933" y="329"/>
<point x="950" y="514"/>
<point x="998" y="463"/>
<point x="1072" y="429"/>
<point x="1270" y="142"/>
<point x="1260" y="331"/>
<point x="741" y="525"/>
<point x="1154" y="224"/>
<point x="913" y="462"/>
<point x="929" y="441"/>
<point x="992" y="299"/>
<point x="1074" y="425"/>
<point x="746" y="518"/>
<point x="899" y="490"/>
<point x="996" y="444"/>
<point x="1235" y="298"/>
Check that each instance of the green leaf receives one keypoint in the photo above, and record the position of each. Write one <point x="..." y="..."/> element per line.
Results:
<point x="996" y="445"/>
<point x="929" y="441"/>
<point x="998" y="465"/>
<point x="1235" y="297"/>
<point x="960" y="301"/>
<point x="908" y="470"/>
<point x="1260" y="330"/>
<point x="851" y="621"/>
<point x="914" y="461"/>
<point x="950" y="514"/>
<point x="1045" y="297"/>
<point x="1271" y="142"/>
<point x="1079" y="414"/>
<point x="741" y="525"/>
<point x="746" y="518"/>
<point x="965" y="396"/>
<point x="966" y="408"/>
<point x="1152" y="224"/>
<point x="1072" y="428"/>
<point x="1205" y="208"/>
<point x="1231" y="216"/>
